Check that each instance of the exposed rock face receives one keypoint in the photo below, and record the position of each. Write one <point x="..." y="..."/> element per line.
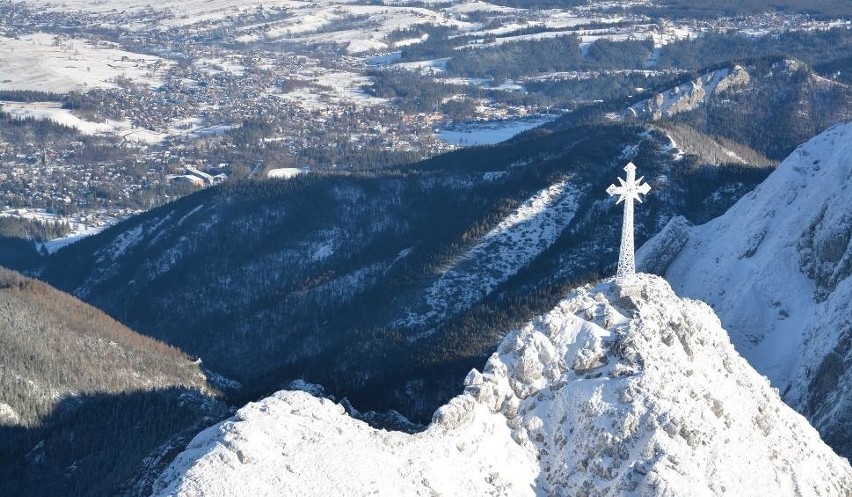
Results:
<point x="825" y="248"/>
<point x="690" y="95"/>
<point x="657" y="254"/>
<point x="776" y="268"/>
<point x="604" y="395"/>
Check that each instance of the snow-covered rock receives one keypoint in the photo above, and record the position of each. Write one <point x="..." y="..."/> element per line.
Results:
<point x="641" y="395"/>
<point x="776" y="268"/>
<point x="688" y="96"/>
<point x="295" y="444"/>
<point x="657" y="254"/>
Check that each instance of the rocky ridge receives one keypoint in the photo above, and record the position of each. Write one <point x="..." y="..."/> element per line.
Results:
<point x="603" y="395"/>
<point x="776" y="268"/>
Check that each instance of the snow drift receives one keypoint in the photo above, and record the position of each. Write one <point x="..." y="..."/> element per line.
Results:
<point x="642" y="395"/>
<point x="776" y="267"/>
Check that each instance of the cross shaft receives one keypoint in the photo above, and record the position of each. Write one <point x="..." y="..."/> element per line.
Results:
<point x="628" y="191"/>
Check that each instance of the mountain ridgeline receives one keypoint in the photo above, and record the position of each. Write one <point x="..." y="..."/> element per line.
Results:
<point x="769" y="105"/>
<point x="386" y="287"/>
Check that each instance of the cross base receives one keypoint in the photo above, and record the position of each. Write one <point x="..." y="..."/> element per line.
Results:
<point x="627" y="287"/>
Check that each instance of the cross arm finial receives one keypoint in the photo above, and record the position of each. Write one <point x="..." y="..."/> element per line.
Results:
<point x="629" y="188"/>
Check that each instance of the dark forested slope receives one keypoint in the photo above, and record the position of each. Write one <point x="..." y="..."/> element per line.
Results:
<point x="83" y="399"/>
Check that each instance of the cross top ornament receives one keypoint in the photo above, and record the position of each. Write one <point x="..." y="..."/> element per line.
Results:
<point x="629" y="190"/>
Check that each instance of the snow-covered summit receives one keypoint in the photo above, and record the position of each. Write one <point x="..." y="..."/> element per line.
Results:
<point x="642" y="395"/>
<point x="777" y="268"/>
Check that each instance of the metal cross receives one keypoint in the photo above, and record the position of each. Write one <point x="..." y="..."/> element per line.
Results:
<point x="627" y="192"/>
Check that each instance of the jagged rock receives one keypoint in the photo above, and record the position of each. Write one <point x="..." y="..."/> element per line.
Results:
<point x="688" y="96"/>
<point x="776" y="268"/>
<point x="825" y="248"/>
<point x="655" y="256"/>
<point x="690" y="418"/>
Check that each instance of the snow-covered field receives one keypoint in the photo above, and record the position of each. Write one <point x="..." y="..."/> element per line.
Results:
<point x="81" y="226"/>
<point x="363" y="28"/>
<point x="330" y="87"/>
<point x="60" y="64"/>
<point x="286" y="172"/>
<point x="503" y="251"/>
<point x="184" y="11"/>
<point x="489" y="133"/>
<point x="53" y="111"/>
<point x="360" y="28"/>
<point x="601" y="396"/>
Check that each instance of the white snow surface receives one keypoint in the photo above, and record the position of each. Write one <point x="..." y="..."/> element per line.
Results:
<point x="489" y="133"/>
<point x="58" y="63"/>
<point x="642" y="395"/>
<point x="81" y="225"/>
<point x="286" y="172"/>
<point x="499" y="255"/>
<point x="750" y="264"/>
<point x="53" y="111"/>
<point x="8" y="416"/>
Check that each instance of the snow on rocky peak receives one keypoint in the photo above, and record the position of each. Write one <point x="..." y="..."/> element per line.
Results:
<point x="777" y="268"/>
<point x="639" y="395"/>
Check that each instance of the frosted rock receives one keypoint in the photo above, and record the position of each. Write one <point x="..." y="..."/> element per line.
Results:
<point x="655" y="256"/>
<point x="7" y="414"/>
<point x="454" y="414"/>
<point x="678" y="424"/>
<point x="688" y="96"/>
<point x="825" y="248"/>
<point x="777" y="267"/>
<point x="738" y="77"/>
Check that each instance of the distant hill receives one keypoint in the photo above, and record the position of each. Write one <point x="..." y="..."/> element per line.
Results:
<point x="769" y="105"/>
<point x="707" y="9"/>
<point x="72" y="380"/>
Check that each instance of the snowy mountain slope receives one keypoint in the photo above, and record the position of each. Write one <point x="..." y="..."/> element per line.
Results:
<point x="502" y="252"/>
<point x="601" y="396"/>
<point x="295" y="444"/>
<point x="777" y="267"/>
